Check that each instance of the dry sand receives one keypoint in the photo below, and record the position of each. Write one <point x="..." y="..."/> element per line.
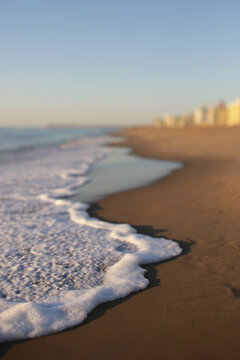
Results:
<point x="191" y="309"/>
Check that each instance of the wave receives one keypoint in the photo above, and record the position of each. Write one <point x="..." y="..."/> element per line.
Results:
<point x="57" y="263"/>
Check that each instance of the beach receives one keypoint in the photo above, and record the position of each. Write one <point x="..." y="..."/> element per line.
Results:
<point x="191" y="308"/>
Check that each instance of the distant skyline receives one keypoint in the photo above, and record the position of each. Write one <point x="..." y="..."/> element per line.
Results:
<point x="106" y="62"/>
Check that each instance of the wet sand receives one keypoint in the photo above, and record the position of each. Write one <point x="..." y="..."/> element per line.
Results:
<point x="191" y="310"/>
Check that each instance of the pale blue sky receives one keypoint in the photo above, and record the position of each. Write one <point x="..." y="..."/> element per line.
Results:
<point x="115" y="62"/>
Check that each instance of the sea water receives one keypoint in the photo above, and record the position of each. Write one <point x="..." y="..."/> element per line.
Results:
<point x="121" y="170"/>
<point x="23" y="138"/>
<point x="57" y="263"/>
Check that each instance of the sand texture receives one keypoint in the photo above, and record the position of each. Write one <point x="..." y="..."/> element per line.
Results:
<point x="191" y="310"/>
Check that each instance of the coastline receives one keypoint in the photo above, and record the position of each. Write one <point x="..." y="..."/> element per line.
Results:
<point x="191" y="308"/>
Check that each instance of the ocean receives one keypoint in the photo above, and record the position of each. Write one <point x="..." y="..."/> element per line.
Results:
<point x="20" y="138"/>
<point x="56" y="262"/>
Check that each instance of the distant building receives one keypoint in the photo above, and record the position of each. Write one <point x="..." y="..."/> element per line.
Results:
<point x="189" y="120"/>
<point x="157" y="122"/>
<point x="233" y="113"/>
<point x="180" y="121"/>
<point x="216" y="115"/>
<point x="221" y="118"/>
<point x="211" y="115"/>
<point x="168" y="120"/>
<point x="200" y="116"/>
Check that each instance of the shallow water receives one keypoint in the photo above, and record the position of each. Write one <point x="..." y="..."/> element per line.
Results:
<point x="121" y="171"/>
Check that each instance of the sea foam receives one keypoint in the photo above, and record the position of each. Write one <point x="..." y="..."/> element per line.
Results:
<point x="57" y="263"/>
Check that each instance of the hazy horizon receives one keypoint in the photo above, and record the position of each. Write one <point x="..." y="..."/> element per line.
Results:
<point x="115" y="63"/>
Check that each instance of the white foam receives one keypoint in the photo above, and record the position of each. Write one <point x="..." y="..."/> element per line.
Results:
<point x="57" y="263"/>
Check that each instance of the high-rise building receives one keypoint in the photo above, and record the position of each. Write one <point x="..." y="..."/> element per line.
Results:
<point x="233" y="113"/>
<point x="200" y="116"/>
<point x="216" y="115"/>
<point x="169" y="120"/>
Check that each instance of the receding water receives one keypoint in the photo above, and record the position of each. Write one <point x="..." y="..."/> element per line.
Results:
<point x="122" y="171"/>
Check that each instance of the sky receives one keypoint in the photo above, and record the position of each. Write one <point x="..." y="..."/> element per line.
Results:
<point x="112" y="62"/>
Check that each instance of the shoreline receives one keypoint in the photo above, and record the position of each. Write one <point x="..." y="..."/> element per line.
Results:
<point x="191" y="308"/>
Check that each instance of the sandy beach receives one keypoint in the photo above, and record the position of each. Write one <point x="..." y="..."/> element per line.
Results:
<point x="191" y="309"/>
